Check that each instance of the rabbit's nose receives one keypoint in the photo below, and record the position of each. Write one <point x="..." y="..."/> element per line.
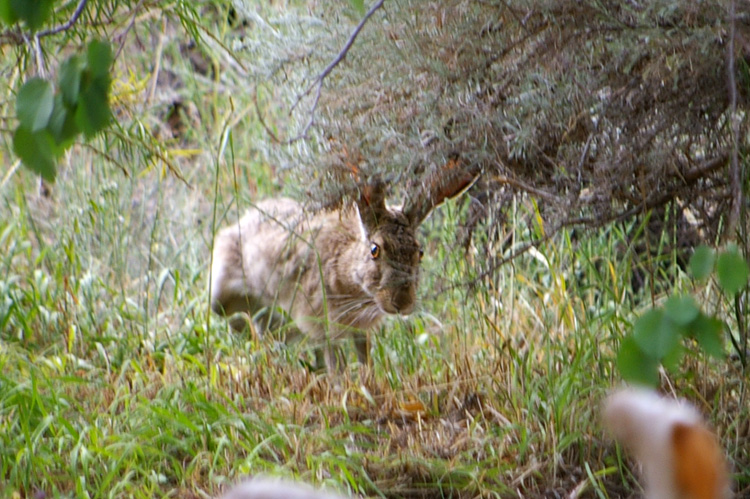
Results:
<point x="403" y="302"/>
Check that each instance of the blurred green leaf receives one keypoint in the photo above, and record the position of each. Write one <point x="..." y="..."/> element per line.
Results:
<point x="655" y="333"/>
<point x="36" y="150"/>
<point x="635" y="366"/>
<point x="732" y="270"/>
<point x="62" y="123"/>
<point x="672" y="359"/>
<point x="702" y="262"/>
<point x="33" y="12"/>
<point x="707" y="331"/>
<point x="681" y="310"/>
<point x="99" y="57"/>
<point x="93" y="113"/>
<point x="7" y="14"/>
<point x="34" y="104"/>
<point x="69" y="79"/>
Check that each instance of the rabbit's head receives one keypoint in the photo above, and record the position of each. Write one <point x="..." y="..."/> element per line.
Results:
<point x="389" y="254"/>
<point x="388" y="257"/>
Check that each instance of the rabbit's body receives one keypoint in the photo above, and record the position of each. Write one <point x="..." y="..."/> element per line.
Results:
<point x="335" y="273"/>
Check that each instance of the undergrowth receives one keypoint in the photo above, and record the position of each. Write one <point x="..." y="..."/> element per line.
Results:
<point x="116" y="381"/>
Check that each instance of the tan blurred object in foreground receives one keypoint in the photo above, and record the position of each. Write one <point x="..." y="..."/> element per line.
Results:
<point x="680" y="456"/>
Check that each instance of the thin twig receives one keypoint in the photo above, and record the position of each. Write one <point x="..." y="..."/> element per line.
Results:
<point x="122" y="36"/>
<point x="157" y="65"/>
<point x="735" y="183"/>
<point x="33" y="40"/>
<point x="107" y="156"/>
<point x="41" y="66"/>
<point x="67" y="25"/>
<point x="521" y="185"/>
<point x="318" y="82"/>
<point x="259" y="113"/>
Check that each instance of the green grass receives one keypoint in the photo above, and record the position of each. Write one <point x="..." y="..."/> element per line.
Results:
<point x="116" y="381"/>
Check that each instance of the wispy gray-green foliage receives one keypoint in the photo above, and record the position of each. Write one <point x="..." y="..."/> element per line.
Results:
<point x="600" y="110"/>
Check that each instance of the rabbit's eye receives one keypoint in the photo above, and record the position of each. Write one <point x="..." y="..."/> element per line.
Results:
<point x="375" y="251"/>
<point x="421" y="254"/>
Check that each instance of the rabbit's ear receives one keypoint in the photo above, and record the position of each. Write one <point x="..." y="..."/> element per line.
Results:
<point x="371" y="204"/>
<point x="444" y="183"/>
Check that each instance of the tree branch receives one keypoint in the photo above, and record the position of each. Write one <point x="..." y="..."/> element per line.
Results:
<point x="734" y="171"/>
<point x="318" y="82"/>
<point x="67" y="25"/>
<point x="32" y="39"/>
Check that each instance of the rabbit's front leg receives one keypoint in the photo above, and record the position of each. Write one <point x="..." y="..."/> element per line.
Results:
<point x="334" y="357"/>
<point x="362" y="343"/>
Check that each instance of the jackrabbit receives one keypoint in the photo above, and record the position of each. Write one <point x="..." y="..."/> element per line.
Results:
<point x="680" y="456"/>
<point x="335" y="273"/>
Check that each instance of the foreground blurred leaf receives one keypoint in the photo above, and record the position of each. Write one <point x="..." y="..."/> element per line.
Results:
<point x="33" y="12"/>
<point x="69" y="79"/>
<point x="707" y="331"/>
<point x="635" y="366"/>
<point x="732" y="270"/>
<point x="7" y="14"/>
<point x="681" y="310"/>
<point x="34" y="104"/>
<point x="36" y="150"/>
<point x="99" y="57"/>
<point x="655" y="333"/>
<point x="92" y="113"/>
<point x="702" y="262"/>
<point x="62" y="123"/>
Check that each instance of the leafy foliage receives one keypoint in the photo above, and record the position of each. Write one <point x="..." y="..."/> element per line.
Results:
<point x="657" y="334"/>
<point x="50" y="120"/>
<point x="33" y="13"/>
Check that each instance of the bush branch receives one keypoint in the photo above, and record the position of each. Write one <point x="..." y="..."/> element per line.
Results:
<point x="67" y="25"/>
<point x="734" y="172"/>
<point x="317" y="84"/>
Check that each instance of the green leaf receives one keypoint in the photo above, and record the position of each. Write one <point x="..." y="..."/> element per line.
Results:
<point x="682" y="310"/>
<point x="707" y="331"/>
<point x="34" y="104"/>
<point x="635" y="366"/>
<point x="99" y="57"/>
<point x="69" y="79"/>
<point x="34" y="12"/>
<point x="732" y="270"/>
<point x="7" y="14"/>
<point x="92" y="113"/>
<point x="702" y="262"/>
<point x="36" y="150"/>
<point x="672" y="360"/>
<point x="655" y="333"/>
<point x="62" y="124"/>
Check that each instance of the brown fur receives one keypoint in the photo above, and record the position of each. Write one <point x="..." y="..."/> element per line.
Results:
<point x="680" y="457"/>
<point x="319" y="268"/>
<point x="700" y="472"/>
